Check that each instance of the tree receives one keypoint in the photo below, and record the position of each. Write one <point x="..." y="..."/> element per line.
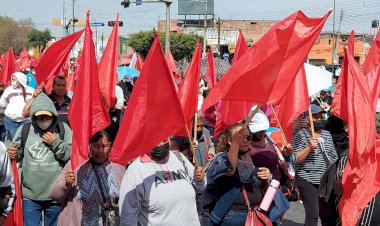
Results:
<point x="181" y="45"/>
<point x="14" y="34"/>
<point x="37" y="38"/>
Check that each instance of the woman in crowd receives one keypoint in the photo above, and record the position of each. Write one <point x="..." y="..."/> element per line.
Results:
<point x="13" y="100"/>
<point x="91" y="188"/>
<point x="159" y="188"/>
<point x="228" y="172"/>
<point x="262" y="151"/>
<point x="312" y="156"/>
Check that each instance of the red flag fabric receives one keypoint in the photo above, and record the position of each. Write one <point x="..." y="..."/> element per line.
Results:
<point x="108" y="67"/>
<point x="373" y="58"/>
<point x="351" y="41"/>
<point x="211" y="70"/>
<point x="87" y="114"/>
<point x="173" y="67"/>
<point x="241" y="48"/>
<point x="8" y="67"/>
<point x="16" y="216"/>
<point x="361" y="176"/>
<point x="295" y="102"/>
<point x="139" y="63"/>
<point x="266" y="71"/>
<point x="153" y="113"/>
<point x="188" y="93"/>
<point x="54" y="57"/>
<point x="230" y="112"/>
<point x="373" y="81"/>
<point x="340" y="96"/>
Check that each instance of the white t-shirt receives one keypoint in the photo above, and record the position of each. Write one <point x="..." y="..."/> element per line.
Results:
<point x="13" y="101"/>
<point x="119" y="97"/>
<point x="147" y="198"/>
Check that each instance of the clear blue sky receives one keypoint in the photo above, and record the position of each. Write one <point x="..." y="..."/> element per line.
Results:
<point x="357" y="14"/>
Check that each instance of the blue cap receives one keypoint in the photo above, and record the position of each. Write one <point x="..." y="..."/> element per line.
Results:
<point x="315" y="109"/>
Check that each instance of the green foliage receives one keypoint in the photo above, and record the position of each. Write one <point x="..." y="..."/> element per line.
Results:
<point x="181" y="45"/>
<point x="14" y="34"/>
<point x="37" y="38"/>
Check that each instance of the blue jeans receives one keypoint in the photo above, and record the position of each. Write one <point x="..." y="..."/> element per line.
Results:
<point x="3" y="132"/>
<point x="12" y="126"/>
<point x="33" y="212"/>
<point x="234" y="218"/>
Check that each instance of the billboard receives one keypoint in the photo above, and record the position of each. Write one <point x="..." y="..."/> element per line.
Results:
<point x="195" y="7"/>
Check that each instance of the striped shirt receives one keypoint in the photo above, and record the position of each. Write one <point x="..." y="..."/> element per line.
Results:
<point x="314" y="166"/>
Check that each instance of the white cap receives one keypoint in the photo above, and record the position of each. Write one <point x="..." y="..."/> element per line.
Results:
<point x="259" y="122"/>
<point x="21" y="77"/>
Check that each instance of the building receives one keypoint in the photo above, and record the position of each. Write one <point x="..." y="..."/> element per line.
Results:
<point x="320" y="54"/>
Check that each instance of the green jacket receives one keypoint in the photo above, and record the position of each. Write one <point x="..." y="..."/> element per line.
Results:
<point x="42" y="163"/>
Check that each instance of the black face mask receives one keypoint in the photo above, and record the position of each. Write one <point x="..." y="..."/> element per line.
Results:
<point x="160" y="152"/>
<point x="254" y="138"/>
<point x="319" y="125"/>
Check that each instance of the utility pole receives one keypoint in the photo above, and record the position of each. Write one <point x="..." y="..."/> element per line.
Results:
<point x="205" y="30"/>
<point x="64" y="19"/>
<point x="219" y="36"/>
<point x="332" y="44"/>
<point x="73" y="14"/>
<point x="338" y="35"/>
<point x="167" y="36"/>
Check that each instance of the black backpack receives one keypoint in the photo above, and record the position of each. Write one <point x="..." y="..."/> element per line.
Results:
<point x="26" y="128"/>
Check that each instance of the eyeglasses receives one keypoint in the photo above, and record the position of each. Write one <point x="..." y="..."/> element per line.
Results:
<point x="247" y="137"/>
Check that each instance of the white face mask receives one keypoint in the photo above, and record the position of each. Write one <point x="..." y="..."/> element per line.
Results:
<point x="14" y="84"/>
<point x="44" y="125"/>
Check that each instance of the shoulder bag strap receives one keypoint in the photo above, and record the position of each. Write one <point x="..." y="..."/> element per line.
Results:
<point x="246" y="198"/>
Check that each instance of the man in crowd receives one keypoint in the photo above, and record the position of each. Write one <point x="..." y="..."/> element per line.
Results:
<point x="43" y="147"/>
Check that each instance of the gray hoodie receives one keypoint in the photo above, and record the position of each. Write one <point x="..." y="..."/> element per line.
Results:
<point x="42" y="163"/>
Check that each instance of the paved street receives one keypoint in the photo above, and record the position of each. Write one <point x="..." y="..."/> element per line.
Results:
<point x="295" y="215"/>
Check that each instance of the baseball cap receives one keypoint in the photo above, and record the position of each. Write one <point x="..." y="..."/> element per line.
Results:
<point x="43" y="112"/>
<point x="315" y="109"/>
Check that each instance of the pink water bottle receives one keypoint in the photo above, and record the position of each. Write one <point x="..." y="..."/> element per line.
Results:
<point x="269" y="195"/>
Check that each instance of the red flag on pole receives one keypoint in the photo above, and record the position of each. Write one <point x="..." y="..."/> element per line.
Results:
<point x="108" y="67"/>
<point x="211" y="70"/>
<point x="139" y="63"/>
<point x="294" y="103"/>
<point x="16" y="216"/>
<point x="361" y="176"/>
<point x="265" y="72"/>
<point x="373" y="58"/>
<point x="54" y="57"/>
<point x="8" y="67"/>
<point x="188" y="93"/>
<point x="230" y="112"/>
<point x="153" y="113"/>
<point x="351" y="45"/>
<point x="241" y="48"/>
<point x="87" y="113"/>
<point x="173" y="68"/>
<point x="373" y="81"/>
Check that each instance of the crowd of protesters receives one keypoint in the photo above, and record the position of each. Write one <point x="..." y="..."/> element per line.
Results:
<point x="179" y="182"/>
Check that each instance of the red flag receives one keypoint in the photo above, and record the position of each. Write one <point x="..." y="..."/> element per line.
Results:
<point x="16" y="216"/>
<point x="173" y="68"/>
<point x="108" y="67"/>
<point x="87" y="113"/>
<point x="373" y="58"/>
<point x="229" y="113"/>
<point x="361" y="176"/>
<point x="295" y="102"/>
<point x="8" y="67"/>
<point x="373" y="81"/>
<point x="188" y="93"/>
<point x="265" y="72"/>
<point x="241" y="48"/>
<point x="211" y="70"/>
<point x="139" y="63"/>
<point x="54" y="57"/>
<point x="351" y="41"/>
<point x="153" y="113"/>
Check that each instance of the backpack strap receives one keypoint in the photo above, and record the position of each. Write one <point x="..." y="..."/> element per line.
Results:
<point x="24" y="134"/>
<point x="61" y="130"/>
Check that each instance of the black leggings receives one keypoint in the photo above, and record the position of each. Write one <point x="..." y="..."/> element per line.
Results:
<point x="315" y="206"/>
